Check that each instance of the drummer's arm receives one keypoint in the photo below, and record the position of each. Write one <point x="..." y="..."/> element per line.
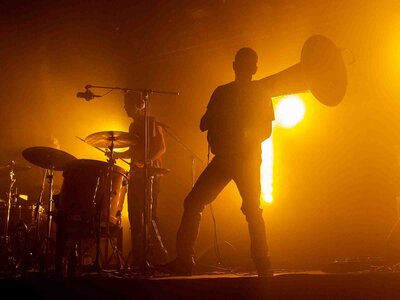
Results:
<point x="157" y="149"/>
<point x="124" y="154"/>
<point x="158" y="146"/>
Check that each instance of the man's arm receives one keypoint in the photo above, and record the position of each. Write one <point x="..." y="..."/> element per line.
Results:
<point x="206" y="120"/>
<point x="158" y="145"/>
<point x="157" y="148"/>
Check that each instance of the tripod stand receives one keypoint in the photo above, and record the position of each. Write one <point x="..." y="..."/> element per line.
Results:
<point x="147" y="245"/>
<point x="143" y="190"/>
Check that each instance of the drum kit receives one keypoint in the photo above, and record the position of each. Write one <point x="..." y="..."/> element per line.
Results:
<point x="86" y="213"/>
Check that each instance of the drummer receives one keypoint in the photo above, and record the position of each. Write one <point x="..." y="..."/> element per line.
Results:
<point x="134" y="107"/>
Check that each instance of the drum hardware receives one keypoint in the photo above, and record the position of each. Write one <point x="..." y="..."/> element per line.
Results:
<point x="6" y="253"/>
<point x="9" y="202"/>
<point x="105" y="152"/>
<point x="48" y="158"/>
<point x="109" y="140"/>
<point x="14" y="230"/>
<point x="51" y="160"/>
<point x="14" y="167"/>
<point x="148" y="224"/>
<point x="82" y="213"/>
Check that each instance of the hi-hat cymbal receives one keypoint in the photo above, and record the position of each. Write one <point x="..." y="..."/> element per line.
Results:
<point x="16" y="167"/>
<point x="47" y="157"/>
<point x="115" y="139"/>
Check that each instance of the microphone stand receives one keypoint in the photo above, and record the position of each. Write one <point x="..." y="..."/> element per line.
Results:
<point x="148" y="224"/>
<point x="139" y="90"/>
<point x="194" y="156"/>
<point x="148" y="200"/>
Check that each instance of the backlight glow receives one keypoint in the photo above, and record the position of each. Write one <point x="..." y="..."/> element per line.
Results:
<point x="290" y="111"/>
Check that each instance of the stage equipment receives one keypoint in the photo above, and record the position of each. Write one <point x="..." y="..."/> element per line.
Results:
<point x="115" y="139"/>
<point x="149" y="225"/>
<point x="321" y="71"/>
<point x="104" y="151"/>
<point x="90" y="202"/>
<point x="92" y="197"/>
<point x="48" y="158"/>
<point x="51" y="160"/>
<point x="6" y="259"/>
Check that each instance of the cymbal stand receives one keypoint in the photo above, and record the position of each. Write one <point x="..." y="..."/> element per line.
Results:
<point x="43" y="265"/>
<point x="10" y="196"/>
<point x="116" y="252"/>
<point x="37" y="240"/>
<point x="7" y="260"/>
<point x="37" y="208"/>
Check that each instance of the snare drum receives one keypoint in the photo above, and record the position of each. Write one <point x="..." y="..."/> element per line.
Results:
<point x="86" y="191"/>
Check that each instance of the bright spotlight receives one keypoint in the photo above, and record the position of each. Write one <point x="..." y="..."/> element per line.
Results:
<point x="266" y="170"/>
<point x="289" y="111"/>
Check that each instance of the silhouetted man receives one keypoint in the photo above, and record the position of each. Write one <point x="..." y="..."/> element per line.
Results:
<point x="238" y="119"/>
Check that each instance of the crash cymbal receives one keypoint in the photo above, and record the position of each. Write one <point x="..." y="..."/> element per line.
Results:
<point x="116" y="139"/>
<point x="16" y="167"/>
<point x="47" y="157"/>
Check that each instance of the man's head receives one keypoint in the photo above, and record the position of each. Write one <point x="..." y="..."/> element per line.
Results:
<point x="245" y="64"/>
<point x="133" y="103"/>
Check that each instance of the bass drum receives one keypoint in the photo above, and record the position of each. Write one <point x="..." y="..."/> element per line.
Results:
<point x="85" y="192"/>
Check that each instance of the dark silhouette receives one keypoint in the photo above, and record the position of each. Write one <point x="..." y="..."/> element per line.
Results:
<point x="238" y="119"/>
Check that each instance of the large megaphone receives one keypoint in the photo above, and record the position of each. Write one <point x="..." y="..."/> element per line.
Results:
<point x="321" y="71"/>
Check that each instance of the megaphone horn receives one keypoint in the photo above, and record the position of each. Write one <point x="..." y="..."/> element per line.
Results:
<point x="321" y="71"/>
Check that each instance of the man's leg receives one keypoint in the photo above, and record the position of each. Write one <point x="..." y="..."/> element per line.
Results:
<point x="210" y="183"/>
<point x="247" y="179"/>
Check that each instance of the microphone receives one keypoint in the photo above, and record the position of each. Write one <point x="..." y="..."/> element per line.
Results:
<point x="87" y="95"/>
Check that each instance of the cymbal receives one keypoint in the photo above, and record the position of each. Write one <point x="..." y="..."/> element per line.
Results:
<point x="16" y="167"/>
<point x="47" y="157"/>
<point x="116" y="139"/>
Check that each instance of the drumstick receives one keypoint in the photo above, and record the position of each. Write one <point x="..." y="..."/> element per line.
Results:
<point x="125" y="161"/>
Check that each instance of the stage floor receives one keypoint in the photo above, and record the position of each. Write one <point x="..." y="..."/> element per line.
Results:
<point x="283" y="285"/>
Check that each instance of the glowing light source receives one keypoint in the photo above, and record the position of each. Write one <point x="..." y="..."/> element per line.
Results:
<point x="290" y="111"/>
<point x="266" y="170"/>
